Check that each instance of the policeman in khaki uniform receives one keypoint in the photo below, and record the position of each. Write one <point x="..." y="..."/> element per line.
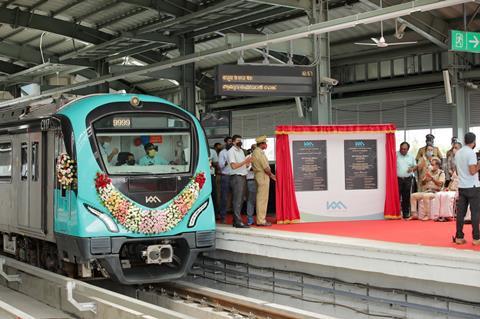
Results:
<point x="262" y="177"/>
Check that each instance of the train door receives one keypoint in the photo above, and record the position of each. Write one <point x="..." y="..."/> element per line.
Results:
<point x="37" y="191"/>
<point x="31" y="193"/>
<point x="23" y="194"/>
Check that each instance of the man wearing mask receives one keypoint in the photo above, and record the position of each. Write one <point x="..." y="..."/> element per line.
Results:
<point x="225" y="169"/>
<point x="429" y="140"/>
<point x="468" y="189"/>
<point x="405" y="168"/>
<point x="251" y="189"/>
<point x="424" y="164"/>
<point x="152" y="157"/>
<point x="263" y="174"/>
<point x="108" y="152"/>
<point x="238" y="164"/>
<point x="432" y="182"/>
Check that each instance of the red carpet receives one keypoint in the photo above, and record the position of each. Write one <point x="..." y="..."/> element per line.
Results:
<point x="429" y="233"/>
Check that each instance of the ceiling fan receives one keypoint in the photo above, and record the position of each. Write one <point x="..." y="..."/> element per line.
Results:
<point x="381" y="43"/>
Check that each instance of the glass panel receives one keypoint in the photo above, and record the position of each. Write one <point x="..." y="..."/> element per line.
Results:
<point x="386" y="69"/>
<point x="144" y="143"/>
<point x="399" y="137"/>
<point x="35" y="161"/>
<point x="416" y="139"/>
<point x="399" y="67"/>
<point x="5" y="160"/>
<point x="427" y="63"/>
<point x="412" y="64"/>
<point x="24" y="162"/>
<point x="360" y="72"/>
<point x="373" y="71"/>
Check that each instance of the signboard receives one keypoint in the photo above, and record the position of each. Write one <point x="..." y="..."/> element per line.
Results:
<point x="465" y="41"/>
<point x="262" y="80"/>
<point x="360" y="164"/>
<point x="310" y="165"/>
<point x="216" y="124"/>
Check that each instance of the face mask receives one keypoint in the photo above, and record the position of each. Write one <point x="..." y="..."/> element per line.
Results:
<point x="151" y="153"/>
<point x="131" y="162"/>
<point x="239" y="144"/>
<point x="229" y="146"/>
<point x="430" y="153"/>
<point x="106" y="144"/>
<point x="474" y="145"/>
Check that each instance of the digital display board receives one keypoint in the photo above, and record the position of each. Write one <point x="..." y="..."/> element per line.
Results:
<point x="261" y="80"/>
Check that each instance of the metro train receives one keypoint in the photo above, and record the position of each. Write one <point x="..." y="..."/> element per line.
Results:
<point x="107" y="185"/>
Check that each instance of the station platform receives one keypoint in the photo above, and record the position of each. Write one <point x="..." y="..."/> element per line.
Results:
<point x="400" y="254"/>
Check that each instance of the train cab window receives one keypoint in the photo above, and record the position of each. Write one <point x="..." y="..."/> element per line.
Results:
<point x="144" y="143"/>
<point x="5" y="161"/>
<point x="24" y="161"/>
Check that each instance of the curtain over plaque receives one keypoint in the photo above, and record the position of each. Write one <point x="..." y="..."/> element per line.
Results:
<point x="336" y="172"/>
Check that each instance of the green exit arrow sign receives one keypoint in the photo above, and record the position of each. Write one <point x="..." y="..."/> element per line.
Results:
<point x="465" y="41"/>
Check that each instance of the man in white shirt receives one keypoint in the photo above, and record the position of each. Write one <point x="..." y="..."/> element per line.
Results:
<point x="108" y="152"/>
<point x="238" y="163"/>
<point x="468" y="189"/>
<point x="225" y="189"/>
<point x="405" y="168"/>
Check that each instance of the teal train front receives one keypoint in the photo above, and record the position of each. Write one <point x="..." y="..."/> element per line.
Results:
<point x="132" y="188"/>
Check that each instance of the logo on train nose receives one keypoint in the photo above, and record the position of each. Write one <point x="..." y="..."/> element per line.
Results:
<point x="336" y="205"/>
<point x="152" y="199"/>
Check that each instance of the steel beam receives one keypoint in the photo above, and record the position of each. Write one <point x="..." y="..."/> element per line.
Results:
<point x="293" y="4"/>
<point x="175" y="8"/>
<point x="391" y="12"/>
<point x="22" y="53"/>
<point x="10" y="68"/>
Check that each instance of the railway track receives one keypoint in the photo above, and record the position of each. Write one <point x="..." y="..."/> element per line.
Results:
<point x="107" y="299"/>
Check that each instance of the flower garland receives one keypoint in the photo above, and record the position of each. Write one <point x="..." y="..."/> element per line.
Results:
<point x="147" y="221"/>
<point x="66" y="171"/>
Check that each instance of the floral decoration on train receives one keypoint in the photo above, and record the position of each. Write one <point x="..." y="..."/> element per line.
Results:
<point x="66" y="171"/>
<point x="148" y="221"/>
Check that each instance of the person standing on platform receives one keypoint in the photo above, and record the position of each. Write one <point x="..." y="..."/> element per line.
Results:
<point x="213" y="169"/>
<point x="468" y="189"/>
<point x="251" y="190"/>
<point x="238" y="164"/>
<point x="263" y="174"/>
<point x="217" y="147"/>
<point x="225" y="188"/>
<point x="405" y="168"/>
<point x="424" y="164"/>
<point x="450" y="163"/>
<point x="429" y="140"/>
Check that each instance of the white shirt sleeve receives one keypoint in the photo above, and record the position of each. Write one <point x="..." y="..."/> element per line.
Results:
<point x="472" y="158"/>
<point x="214" y="156"/>
<point x="231" y="157"/>
<point x="222" y="159"/>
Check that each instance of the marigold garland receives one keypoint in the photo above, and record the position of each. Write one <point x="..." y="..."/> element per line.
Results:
<point x="147" y="221"/>
<point x="66" y="171"/>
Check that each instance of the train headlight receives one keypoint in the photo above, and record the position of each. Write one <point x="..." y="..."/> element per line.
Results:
<point x="107" y="220"/>
<point x="135" y="102"/>
<point x="196" y="213"/>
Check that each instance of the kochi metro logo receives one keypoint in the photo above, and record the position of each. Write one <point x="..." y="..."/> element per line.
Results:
<point x="336" y="205"/>
<point x="308" y="144"/>
<point x="359" y="144"/>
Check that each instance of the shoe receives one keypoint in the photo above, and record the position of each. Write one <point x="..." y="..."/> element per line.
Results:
<point x="242" y="225"/>
<point x="459" y="241"/>
<point x="425" y="219"/>
<point x="250" y="221"/>
<point x="476" y="242"/>
<point x="223" y="221"/>
<point x="265" y="225"/>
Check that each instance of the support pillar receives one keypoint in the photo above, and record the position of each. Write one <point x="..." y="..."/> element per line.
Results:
<point x="102" y="68"/>
<point x="459" y="110"/>
<point x="321" y="103"/>
<point x="187" y="83"/>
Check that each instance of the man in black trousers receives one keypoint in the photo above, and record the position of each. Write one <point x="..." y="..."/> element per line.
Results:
<point x="405" y="168"/>
<point x="468" y="189"/>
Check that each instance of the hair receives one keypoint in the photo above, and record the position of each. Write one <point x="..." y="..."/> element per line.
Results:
<point x="216" y="144"/>
<point x="234" y="137"/>
<point x="405" y="143"/>
<point x="437" y="161"/>
<point x="227" y="138"/>
<point x="470" y="138"/>
<point x="457" y="143"/>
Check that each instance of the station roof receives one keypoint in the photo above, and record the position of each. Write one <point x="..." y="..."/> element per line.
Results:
<point x="54" y="37"/>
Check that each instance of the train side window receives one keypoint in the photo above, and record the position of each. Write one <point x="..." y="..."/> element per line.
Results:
<point x="35" y="161"/>
<point x="5" y="161"/>
<point x="24" y="162"/>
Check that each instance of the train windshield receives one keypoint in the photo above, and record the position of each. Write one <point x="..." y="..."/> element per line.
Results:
<point x="144" y="143"/>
